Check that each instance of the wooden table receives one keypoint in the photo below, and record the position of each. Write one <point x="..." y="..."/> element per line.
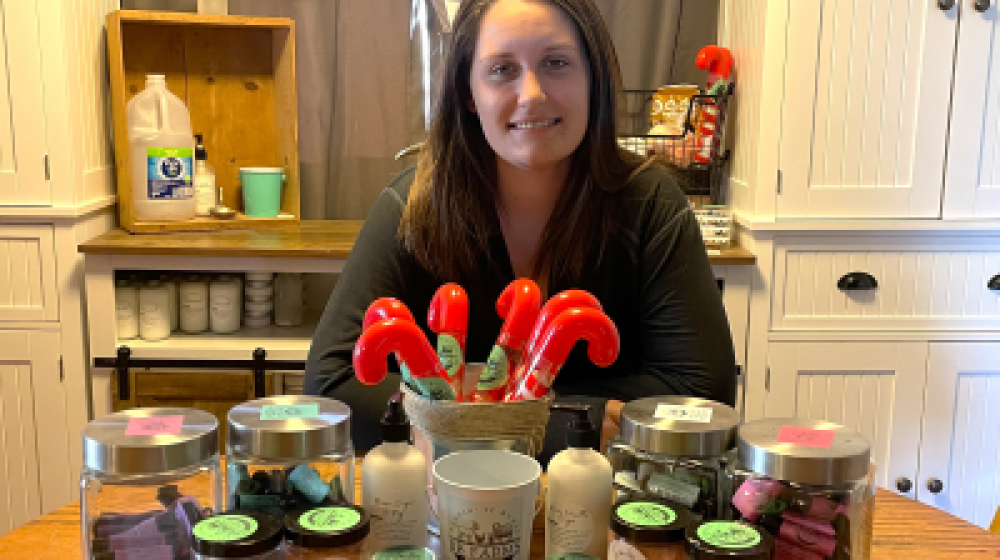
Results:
<point x="903" y="530"/>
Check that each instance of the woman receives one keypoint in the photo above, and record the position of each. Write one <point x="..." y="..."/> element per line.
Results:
<point x="522" y="176"/>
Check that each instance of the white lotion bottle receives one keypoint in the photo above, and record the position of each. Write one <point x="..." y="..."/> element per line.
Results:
<point x="579" y="498"/>
<point x="394" y="486"/>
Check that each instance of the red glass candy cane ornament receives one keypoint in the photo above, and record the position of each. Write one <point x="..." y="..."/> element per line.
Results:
<point x="541" y="368"/>
<point x="389" y="308"/>
<point x="448" y="316"/>
<point x="518" y="305"/>
<point x="409" y="343"/>
<point x="566" y="299"/>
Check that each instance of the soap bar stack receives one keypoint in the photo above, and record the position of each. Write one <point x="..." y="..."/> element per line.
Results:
<point x="152" y="535"/>
<point x="259" y="299"/>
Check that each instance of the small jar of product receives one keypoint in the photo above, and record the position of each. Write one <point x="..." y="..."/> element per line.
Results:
<point x="728" y="540"/>
<point x="224" y="305"/>
<point x="248" y="535"/>
<point x="192" y="297"/>
<point x="287" y="453"/>
<point x="648" y="529"/>
<point x="807" y="483"/>
<point x="171" y="283"/>
<point x="327" y="533"/>
<point x="149" y="476"/>
<point x="126" y="310"/>
<point x="154" y="311"/>
<point x="288" y="302"/>
<point x="674" y="448"/>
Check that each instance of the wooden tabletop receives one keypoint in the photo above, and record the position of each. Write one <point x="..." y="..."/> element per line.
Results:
<point x="904" y="529"/>
<point x="330" y="239"/>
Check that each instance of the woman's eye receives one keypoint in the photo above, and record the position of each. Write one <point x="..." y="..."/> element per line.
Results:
<point x="501" y="69"/>
<point x="557" y="62"/>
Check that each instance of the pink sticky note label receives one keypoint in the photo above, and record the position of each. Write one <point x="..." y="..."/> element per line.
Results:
<point x="154" y="426"/>
<point x="822" y="439"/>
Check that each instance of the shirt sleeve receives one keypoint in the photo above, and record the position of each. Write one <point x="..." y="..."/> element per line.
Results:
<point x="373" y="269"/>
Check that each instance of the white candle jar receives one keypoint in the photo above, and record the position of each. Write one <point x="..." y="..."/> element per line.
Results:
<point x="154" y="311"/>
<point x="192" y="295"/>
<point x="224" y="305"/>
<point x="126" y="310"/>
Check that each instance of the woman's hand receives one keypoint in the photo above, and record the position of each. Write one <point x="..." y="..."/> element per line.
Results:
<point x="612" y="422"/>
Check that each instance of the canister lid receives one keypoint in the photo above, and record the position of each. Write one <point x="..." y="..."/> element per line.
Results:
<point x="146" y="441"/>
<point x="645" y="520"/>
<point x="717" y="540"/>
<point x="328" y="526"/>
<point x="290" y="427"/>
<point x="237" y="534"/>
<point x="804" y="451"/>
<point x="679" y="426"/>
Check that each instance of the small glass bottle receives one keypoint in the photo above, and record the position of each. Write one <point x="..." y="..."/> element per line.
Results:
<point x="154" y="311"/>
<point x="192" y="295"/>
<point x="224" y="305"/>
<point x="204" y="179"/>
<point x="248" y="535"/>
<point x="126" y="310"/>
<point x="327" y="533"/>
<point x="648" y="529"/>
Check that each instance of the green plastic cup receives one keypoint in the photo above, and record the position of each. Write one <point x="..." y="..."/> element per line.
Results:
<point x="262" y="191"/>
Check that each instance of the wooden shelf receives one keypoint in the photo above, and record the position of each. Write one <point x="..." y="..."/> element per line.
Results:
<point x="281" y="343"/>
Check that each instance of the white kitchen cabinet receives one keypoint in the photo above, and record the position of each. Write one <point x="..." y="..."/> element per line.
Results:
<point x="960" y="427"/>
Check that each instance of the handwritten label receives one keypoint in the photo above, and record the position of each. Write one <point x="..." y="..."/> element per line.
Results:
<point x="154" y="426"/>
<point x="684" y="413"/>
<point x="821" y="439"/>
<point x="288" y="411"/>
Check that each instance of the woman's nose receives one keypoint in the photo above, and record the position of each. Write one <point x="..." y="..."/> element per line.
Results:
<point x="531" y="88"/>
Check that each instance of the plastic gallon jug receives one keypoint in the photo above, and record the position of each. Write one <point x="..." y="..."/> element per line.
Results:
<point x="162" y="153"/>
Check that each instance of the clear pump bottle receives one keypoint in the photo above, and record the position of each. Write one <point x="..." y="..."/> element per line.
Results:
<point x="204" y="179"/>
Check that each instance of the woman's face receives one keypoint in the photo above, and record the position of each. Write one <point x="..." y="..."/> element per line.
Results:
<point x="530" y="84"/>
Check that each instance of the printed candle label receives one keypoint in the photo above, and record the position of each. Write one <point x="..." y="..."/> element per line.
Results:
<point x="151" y="314"/>
<point x="435" y="388"/>
<point x="169" y="173"/>
<point x="393" y="522"/>
<point x="683" y="413"/>
<point x="496" y="370"/>
<point x="330" y="519"/>
<point x="225" y="528"/>
<point x="675" y="488"/>
<point x="646" y="514"/>
<point x="571" y="527"/>
<point x="403" y="553"/>
<point x="155" y="425"/>
<point x="483" y="532"/>
<point x="622" y="550"/>
<point x="450" y="353"/>
<point x="287" y="411"/>
<point x="821" y="439"/>
<point x="726" y="534"/>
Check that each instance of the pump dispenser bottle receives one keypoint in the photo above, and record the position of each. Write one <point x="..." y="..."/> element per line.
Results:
<point x="578" y="503"/>
<point x="394" y="485"/>
<point x="204" y="179"/>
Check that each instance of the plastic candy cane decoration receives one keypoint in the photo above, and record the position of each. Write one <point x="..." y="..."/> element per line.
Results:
<point x="409" y="343"/>
<point x="518" y="305"/>
<point x="558" y="303"/>
<point x="448" y="316"/>
<point x="389" y="308"/>
<point x="718" y="62"/>
<point x="552" y="350"/>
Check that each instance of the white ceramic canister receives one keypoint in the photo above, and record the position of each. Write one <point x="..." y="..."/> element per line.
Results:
<point x="154" y="311"/>
<point x="224" y="305"/>
<point x="126" y="310"/>
<point x="171" y="283"/>
<point x="193" y="302"/>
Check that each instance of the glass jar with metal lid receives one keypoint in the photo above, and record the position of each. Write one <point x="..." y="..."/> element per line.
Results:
<point x="287" y="453"/>
<point x="674" y="448"/>
<point x="808" y="483"/>
<point x="149" y="475"/>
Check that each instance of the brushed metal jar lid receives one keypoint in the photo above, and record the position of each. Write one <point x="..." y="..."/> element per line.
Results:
<point x="149" y="441"/>
<point x="290" y="427"/>
<point x="804" y="451"/>
<point x="679" y="426"/>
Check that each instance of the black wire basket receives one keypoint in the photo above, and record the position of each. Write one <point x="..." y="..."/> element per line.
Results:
<point x="697" y="155"/>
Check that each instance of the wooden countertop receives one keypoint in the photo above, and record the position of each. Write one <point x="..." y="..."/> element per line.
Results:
<point x="330" y="239"/>
<point x="903" y="529"/>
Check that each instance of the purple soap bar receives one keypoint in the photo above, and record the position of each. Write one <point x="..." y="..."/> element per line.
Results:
<point x="158" y="552"/>
<point x="126" y="543"/>
<point x="145" y="530"/>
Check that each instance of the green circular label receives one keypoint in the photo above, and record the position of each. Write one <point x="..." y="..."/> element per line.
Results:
<point x="435" y="388"/>
<point x="225" y="528"/>
<point x="571" y="556"/>
<point x="403" y="553"/>
<point x="496" y="370"/>
<point x="330" y="519"/>
<point x="646" y="514"/>
<point x="726" y="534"/>
<point x="450" y="353"/>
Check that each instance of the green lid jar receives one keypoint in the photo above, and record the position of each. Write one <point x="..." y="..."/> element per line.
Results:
<point x="239" y="534"/>
<point x="319" y="533"/>
<point x="717" y="540"/>
<point x="649" y="529"/>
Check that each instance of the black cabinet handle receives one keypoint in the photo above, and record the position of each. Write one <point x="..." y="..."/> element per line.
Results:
<point x="857" y="281"/>
<point x="994" y="283"/>
<point x="946" y="5"/>
<point x="903" y="484"/>
<point x="981" y="5"/>
<point x="935" y="486"/>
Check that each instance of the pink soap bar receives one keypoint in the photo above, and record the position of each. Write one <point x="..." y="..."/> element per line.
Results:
<point x="155" y="426"/>
<point x="821" y="439"/>
<point x="784" y="550"/>
<point x="755" y="493"/>
<point x="818" y="525"/>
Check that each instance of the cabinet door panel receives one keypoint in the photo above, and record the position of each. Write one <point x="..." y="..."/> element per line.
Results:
<point x="865" y="108"/>
<point x="875" y="388"/>
<point x="972" y="181"/>
<point x="28" y="289"/>
<point x="961" y="423"/>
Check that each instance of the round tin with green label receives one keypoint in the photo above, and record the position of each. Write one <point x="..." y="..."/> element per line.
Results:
<point x="644" y="520"/>
<point x="238" y="534"/>
<point x="714" y="540"/>
<point x="327" y="527"/>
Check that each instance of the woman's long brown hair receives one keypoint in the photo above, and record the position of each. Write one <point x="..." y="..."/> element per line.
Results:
<point x="451" y="210"/>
